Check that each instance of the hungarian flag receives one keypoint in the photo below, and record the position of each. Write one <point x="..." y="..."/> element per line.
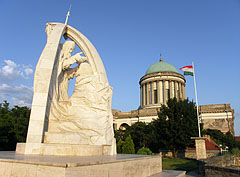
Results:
<point x="188" y="70"/>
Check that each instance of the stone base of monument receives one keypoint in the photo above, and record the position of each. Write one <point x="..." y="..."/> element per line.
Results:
<point x="12" y="164"/>
<point x="64" y="149"/>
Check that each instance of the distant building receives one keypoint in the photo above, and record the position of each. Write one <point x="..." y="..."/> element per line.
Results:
<point x="217" y="116"/>
<point x="161" y="82"/>
<point x="237" y="138"/>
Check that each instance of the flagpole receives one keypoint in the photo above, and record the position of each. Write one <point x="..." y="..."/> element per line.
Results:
<point x="199" y="131"/>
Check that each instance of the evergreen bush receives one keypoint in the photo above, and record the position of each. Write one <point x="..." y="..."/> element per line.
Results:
<point x="145" y="151"/>
<point x="128" y="146"/>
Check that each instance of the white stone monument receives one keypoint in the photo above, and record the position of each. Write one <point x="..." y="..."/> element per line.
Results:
<point x="72" y="137"/>
<point x="81" y="125"/>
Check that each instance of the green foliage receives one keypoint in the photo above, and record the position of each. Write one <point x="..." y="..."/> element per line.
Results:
<point x="119" y="134"/>
<point x="119" y="146"/>
<point x="226" y="140"/>
<point x="145" y="151"/>
<point x="235" y="151"/>
<point x="128" y="146"/>
<point x="176" y="125"/>
<point x="140" y="134"/>
<point x="173" y="130"/>
<point x="13" y="125"/>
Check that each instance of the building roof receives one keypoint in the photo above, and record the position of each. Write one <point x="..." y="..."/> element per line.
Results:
<point x="209" y="143"/>
<point x="161" y="67"/>
<point x="237" y="138"/>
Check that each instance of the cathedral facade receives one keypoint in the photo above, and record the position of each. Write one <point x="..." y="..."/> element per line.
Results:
<point x="161" y="82"/>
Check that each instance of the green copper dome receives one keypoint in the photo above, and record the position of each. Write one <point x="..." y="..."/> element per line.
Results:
<point x="161" y="67"/>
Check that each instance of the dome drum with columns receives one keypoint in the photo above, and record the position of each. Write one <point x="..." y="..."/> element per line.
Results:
<point x="160" y="83"/>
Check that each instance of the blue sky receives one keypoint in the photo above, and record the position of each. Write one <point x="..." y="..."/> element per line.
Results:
<point x="129" y="36"/>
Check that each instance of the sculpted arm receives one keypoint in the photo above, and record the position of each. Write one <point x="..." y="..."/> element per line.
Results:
<point x="77" y="58"/>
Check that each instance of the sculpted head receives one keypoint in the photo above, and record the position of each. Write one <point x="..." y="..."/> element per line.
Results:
<point x="68" y="47"/>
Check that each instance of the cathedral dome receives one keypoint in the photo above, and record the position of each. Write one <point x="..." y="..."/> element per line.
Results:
<point x="161" y="67"/>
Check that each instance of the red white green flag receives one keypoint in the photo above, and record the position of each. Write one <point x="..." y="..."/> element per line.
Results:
<point x="188" y="70"/>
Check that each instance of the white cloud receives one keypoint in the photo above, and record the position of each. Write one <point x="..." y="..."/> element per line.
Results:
<point x="12" y="71"/>
<point x="28" y="71"/>
<point x="10" y="63"/>
<point x="18" y="95"/>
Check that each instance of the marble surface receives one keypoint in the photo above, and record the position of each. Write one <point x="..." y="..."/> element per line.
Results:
<point x="122" y="165"/>
<point x="69" y="160"/>
<point x="86" y="117"/>
<point x="170" y="173"/>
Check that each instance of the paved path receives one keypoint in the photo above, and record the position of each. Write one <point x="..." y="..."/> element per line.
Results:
<point x="176" y="173"/>
<point x="170" y="173"/>
<point x="193" y="174"/>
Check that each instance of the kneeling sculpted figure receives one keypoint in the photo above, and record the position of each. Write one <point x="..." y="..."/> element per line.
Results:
<point x="85" y="113"/>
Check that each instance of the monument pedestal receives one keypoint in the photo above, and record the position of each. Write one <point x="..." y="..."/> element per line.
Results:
<point x="64" y="149"/>
<point x="200" y="147"/>
<point x="121" y="165"/>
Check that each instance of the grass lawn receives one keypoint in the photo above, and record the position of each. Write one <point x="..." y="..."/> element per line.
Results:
<point x="179" y="164"/>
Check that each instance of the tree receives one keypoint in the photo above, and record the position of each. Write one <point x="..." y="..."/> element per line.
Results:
<point x="140" y="133"/>
<point x="119" y="146"/>
<point x="13" y="125"/>
<point x="226" y="140"/>
<point x="176" y="124"/>
<point x="128" y="146"/>
<point x="20" y="116"/>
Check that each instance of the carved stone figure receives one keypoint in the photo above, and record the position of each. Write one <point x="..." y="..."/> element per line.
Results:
<point x="85" y="113"/>
<point x="81" y="124"/>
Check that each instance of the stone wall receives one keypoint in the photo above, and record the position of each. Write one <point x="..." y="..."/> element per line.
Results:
<point x="217" y="116"/>
<point x="221" y="166"/>
<point x="192" y="154"/>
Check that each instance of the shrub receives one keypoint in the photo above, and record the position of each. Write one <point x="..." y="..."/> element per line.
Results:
<point x="235" y="151"/>
<point x="119" y="146"/>
<point x="145" y="151"/>
<point x="128" y="146"/>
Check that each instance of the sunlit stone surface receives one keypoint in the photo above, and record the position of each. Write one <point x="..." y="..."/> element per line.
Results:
<point x="12" y="164"/>
<point x="78" y="125"/>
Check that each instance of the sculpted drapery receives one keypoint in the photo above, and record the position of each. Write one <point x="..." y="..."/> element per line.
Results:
<point x="85" y="113"/>
<point x="81" y="125"/>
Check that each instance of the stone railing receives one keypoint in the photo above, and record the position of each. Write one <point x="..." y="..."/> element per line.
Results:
<point x="191" y="154"/>
<point x="221" y="166"/>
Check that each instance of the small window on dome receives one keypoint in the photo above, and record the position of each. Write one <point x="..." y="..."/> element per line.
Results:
<point x="155" y="92"/>
<point x="155" y="97"/>
<point x="167" y="94"/>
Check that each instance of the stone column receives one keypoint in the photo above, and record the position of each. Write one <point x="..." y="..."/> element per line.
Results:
<point x="143" y="85"/>
<point x="175" y="85"/>
<point x="180" y="90"/>
<point x="170" y="88"/>
<point x="200" y="147"/>
<point x="184" y="93"/>
<point x="158" y="90"/>
<point x="173" y="89"/>
<point x="164" y="91"/>
<point x="141" y="94"/>
<point x="42" y="92"/>
<point x="152" y="92"/>
<point x="147" y="92"/>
